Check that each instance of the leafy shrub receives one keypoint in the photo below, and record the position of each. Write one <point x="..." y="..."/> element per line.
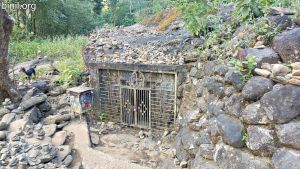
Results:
<point x="248" y="9"/>
<point x="70" y="70"/>
<point x="246" y="70"/>
<point x="194" y="13"/>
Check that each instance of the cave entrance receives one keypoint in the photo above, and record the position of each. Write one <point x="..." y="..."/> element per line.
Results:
<point x="143" y="99"/>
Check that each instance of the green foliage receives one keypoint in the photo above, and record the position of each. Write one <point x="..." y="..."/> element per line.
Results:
<point x="248" y="9"/>
<point x="238" y="65"/>
<point x="245" y="137"/>
<point x="194" y="13"/>
<point x="150" y="9"/>
<point x="128" y="12"/>
<point x="244" y="67"/>
<point x="70" y="70"/>
<point x="265" y="30"/>
<point x="250" y="67"/>
<point x="58" y="47"/>
<point x="102" y="116"/>
<point x="56" y="17"/>
<point x="65" y="50"/>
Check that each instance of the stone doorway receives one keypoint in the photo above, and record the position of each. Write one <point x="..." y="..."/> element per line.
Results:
<point x="137" y="97"/>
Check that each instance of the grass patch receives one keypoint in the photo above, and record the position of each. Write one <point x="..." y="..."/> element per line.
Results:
<point x="65" y="50"/>
<point x="25" y="50"/>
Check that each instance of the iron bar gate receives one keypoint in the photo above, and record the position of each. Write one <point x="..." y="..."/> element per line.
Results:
<point x="139" y="99"/>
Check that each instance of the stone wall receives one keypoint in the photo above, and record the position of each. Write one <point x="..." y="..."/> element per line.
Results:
<point x="232" y="124"/>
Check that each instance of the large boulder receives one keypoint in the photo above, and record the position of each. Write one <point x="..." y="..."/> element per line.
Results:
<point x="189" y="140"/>
<point x="33" y="115"/>
<point x="261" y="140"/>
<point x="68" y="160"/>
<point x="265" y="55"/>
<point x="231" y="130"/>
<point x="255" y="114"/>
<point x="228" y="157"/>
<point x="42" y="85"/>
<point x="286" y="159"/>
<point x="289" y="134"/>
<point x="287" y="45"/>
<point x="33" y="101"/>
<point x="256" y="87"/>
<point x="282" y="105"/>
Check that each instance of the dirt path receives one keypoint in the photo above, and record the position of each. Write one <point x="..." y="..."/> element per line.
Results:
<point x="93" y="159"/>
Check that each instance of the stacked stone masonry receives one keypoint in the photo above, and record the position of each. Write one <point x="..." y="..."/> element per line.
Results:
<point x="252" y="125"/>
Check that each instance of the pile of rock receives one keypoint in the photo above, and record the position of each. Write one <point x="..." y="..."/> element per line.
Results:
<point x="140" y="44"/>
<point x="281" y="73"/>
<point x="30" y="137"/>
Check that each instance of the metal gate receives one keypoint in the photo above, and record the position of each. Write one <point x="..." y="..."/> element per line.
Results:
<point x="135" y="107"/>
<point x="139" y="99"/>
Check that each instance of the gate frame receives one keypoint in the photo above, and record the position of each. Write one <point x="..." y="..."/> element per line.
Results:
<point x="180" y="72"/>
<point x="135" y="106"/>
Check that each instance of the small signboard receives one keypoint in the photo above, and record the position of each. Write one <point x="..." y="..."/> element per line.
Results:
<point x="80" y="99"/>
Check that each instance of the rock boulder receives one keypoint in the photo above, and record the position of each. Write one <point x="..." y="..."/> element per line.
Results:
<point x="228" y="157"/>
<point x="256" y="87"/>
<point x="289" y="134"/>
<point x="286" y="159"/>
<point x="265" y="55"/>
<point x="287" y="45"/>
<point x="282" y="105"/>
<point x="231" y="130"/>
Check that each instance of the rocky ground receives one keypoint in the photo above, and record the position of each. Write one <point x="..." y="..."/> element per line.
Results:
<point x="137" y="146"/>
<point x="41" y="132"/>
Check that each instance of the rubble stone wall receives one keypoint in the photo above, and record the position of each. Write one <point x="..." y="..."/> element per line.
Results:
<point x="229" y="124"/>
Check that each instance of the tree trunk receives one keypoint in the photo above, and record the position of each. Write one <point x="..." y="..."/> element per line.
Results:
<point x="7" y="87"/>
